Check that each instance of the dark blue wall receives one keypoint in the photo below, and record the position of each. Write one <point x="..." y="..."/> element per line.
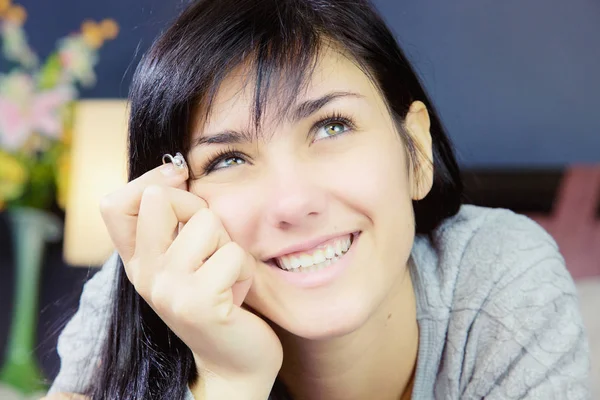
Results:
<point x="517" y="81"/>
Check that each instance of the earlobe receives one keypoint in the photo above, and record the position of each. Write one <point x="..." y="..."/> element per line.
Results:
<point x="418" y="125"/>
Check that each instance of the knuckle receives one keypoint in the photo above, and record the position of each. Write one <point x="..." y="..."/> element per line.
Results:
<point x="190" y="310"/>
<point x="206" y="220"/>
<point x="153" y="192"/>
<point x="201" y="202"/>
<point x="184" y="311"/>
<point x="129" y="270"/>
<point x="107" y="204"/>
<point x="222" y="306"/>
<point x="234" y="251"/>
<point x="139" y="278"/>
<point x="208" y="217"/>
<point x="161" y="296"/>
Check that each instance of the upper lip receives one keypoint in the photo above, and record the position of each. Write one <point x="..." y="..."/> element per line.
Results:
<point x="308" y="245"/>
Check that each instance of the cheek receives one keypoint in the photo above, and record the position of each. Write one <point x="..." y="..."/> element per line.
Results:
<point x="380" y="183"/>
<point x="236" y="206"/>
<point x="377" y="175"/>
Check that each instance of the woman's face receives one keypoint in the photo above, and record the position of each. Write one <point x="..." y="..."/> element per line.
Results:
<point x="334" y="173"/>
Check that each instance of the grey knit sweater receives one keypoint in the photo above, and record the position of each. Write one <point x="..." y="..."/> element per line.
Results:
<point x="497" y="310"/>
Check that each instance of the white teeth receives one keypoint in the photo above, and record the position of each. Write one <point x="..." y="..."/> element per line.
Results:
<point x="329" y="252"/>
<point x="338" y="248"/>
<point x="306" y="260"/>
<point x="318" y="258"/>
<point x="315" y="268"/>
<point x="295" y="262"/>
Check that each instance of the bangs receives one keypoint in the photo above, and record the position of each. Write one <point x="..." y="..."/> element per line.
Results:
<point x="276" y="43"/>
<point x="278" y="59"/>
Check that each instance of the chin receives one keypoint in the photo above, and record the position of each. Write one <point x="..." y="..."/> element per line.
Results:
<point x="318" y="333"/>
<point x="324" y="323"/>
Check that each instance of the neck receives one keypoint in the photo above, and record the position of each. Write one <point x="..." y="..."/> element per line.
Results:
<point x="377" y="361"/>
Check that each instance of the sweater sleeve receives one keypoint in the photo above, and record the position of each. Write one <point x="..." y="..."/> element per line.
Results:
<point x="80" y="341"/>
<point x="524" y="332"/>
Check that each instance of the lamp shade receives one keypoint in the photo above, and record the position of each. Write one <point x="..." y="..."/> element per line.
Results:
<point x="98" y="167"/>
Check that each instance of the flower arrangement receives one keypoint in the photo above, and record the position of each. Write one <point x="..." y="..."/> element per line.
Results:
<point x="36" y="107"/>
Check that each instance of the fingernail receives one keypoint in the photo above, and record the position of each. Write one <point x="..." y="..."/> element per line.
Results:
<point x="173" y="165"/>
<point x="169" y="170"/>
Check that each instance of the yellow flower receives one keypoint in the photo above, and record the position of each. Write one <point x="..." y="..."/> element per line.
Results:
<point x="110" y="29"/>
<point x="15" y="14"/>
<point x="4" y="5"/>
<point x="94" y="34"/>
<point x="13" y="177"/>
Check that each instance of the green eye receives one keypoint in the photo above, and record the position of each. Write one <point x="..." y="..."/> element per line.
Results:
<point x="334" y="129"/>
<point x="228" y="162"/>
<point x="331" y="129"/>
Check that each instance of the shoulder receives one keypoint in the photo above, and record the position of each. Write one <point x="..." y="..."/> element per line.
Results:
<point x="491" y="230"/>
<point x="484" y="256"/>
<point x="512" y="321"/>
<point x="481" y="251"/>
<point x="501" y="254"/>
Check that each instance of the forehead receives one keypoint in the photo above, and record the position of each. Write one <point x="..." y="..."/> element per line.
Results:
<point x="235" y="99"/>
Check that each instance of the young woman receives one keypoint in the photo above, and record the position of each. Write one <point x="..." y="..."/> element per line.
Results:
<point x="314" y="245"/>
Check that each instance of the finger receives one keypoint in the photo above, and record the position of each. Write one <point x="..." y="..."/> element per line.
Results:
<point x="120" y="209"/>
<point x="197" y="241"/>
<point x="229" y="268"/>
<point x="127" y="200"/>
<point x="65" y="396"/>
<point x="161" y="211"/>
<point x="179" y="202"/>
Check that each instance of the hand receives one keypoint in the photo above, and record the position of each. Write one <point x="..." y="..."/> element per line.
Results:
<point x="65" y="396"/>
<point x="194" y="276"/>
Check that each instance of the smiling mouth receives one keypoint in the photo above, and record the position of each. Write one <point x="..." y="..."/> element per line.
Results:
<point x="316" y="259"/>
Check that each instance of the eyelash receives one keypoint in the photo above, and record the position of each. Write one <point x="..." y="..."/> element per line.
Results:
<point x="334" y="116"/>
<point x="220" y="155"/>
<point x="229" y="152"/>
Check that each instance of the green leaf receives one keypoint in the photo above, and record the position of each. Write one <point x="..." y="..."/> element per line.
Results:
<point x="50" y="72"/>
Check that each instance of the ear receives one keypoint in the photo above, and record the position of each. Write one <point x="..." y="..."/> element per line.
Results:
<point x="418" y="125"/>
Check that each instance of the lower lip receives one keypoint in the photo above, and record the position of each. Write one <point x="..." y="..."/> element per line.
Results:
<point x="309" y="280"/>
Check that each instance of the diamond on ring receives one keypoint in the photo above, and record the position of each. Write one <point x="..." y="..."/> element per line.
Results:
<point x="177" y="160"/>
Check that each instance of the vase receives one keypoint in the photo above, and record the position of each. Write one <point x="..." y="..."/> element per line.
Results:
<point x="31" y="229"/>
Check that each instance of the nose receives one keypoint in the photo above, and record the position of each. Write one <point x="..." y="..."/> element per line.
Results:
<point x="296" y="197"/>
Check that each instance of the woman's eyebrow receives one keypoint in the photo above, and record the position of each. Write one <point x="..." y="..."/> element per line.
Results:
<point x="303" y="110"/>
<point x="309" y="107"/>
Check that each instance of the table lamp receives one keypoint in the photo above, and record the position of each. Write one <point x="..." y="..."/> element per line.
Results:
<point x="98" y="167"/>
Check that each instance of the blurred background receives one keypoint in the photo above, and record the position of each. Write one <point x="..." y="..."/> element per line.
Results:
<point x="517" y="84"/>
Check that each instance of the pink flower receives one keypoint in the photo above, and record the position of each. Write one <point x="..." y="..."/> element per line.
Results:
<point x="77" y="60"/>
<point x="46" y="111"/>
<point x="23" y="111"/>
<point x="15" y="129"/>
